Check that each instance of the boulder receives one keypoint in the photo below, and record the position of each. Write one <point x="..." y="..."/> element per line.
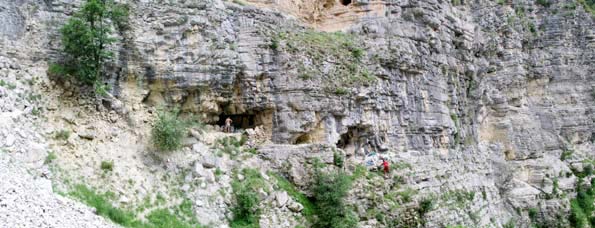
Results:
<point x="295" y="206"/>
<point x="87" y="134"/>
<point x="281" y="198"/>
<point x="210" y="161"/>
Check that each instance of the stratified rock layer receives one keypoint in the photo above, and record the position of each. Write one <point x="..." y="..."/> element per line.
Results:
<point x="477" y="97"/>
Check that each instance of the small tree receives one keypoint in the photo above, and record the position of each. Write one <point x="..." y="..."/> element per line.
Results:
<point x="329" y="191"/>
<point x="168" y="131"/>
<point x="246" y="211"/>
<point x="86" y="37"/>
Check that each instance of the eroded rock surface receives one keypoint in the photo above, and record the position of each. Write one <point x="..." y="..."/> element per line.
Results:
<point x="476" y="97"/>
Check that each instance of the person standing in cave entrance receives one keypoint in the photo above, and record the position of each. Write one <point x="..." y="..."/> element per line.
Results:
<point x="228" y="122"/>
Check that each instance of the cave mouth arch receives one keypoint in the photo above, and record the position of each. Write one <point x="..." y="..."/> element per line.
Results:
<point x="239" y="121"/>
<point x="345" y="2"/>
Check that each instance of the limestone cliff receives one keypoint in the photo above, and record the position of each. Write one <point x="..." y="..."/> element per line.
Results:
<point x="488" y="99"/>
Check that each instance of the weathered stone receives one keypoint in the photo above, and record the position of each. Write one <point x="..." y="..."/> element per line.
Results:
<point x="295" y="206"/>
<point x="210" y="161"/>
<point x="281" y="198"/>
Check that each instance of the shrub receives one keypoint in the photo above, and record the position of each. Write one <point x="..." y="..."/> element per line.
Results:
<point x="62" y="135"/>
<point x="329" y="190"/>
<point x="533" y="214"/>
<point x="341" y="91"/>
<point x="231" y="145"/>
<point x="357" y="53"/>
<point x="50" y="158"/>
<point x="86" y="37"/>
<point x="544" y="3"/>
<point x="168" y="131"/>
<point x="425" y="206"/>
<point x="245" y="210"/>
<point x="588" y="169"/>
<point x="581" y="207"/>
<point x="509" y="224"/>
<point x="589" y="5"/>
<point x="218" y="172"/>
<point x="338" y="159"/>
<point x="107" y="166"/>
<point x="274" y="44"/>
<point x="565" y="154"/>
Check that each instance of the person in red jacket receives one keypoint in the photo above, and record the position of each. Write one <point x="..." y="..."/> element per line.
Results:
<point x="385" y="166"/>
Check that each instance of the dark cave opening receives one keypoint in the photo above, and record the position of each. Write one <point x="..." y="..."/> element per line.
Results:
<point x="345" y="140"/>
<point x="239" y="121"/>
<point x="345" y="2"/>
<point x="304" y="139"/>
<point x="352" y="140"/>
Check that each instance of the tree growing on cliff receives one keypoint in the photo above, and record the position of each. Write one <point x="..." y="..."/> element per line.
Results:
<point x="330" y="190"/>
<point x="86" y="38"/>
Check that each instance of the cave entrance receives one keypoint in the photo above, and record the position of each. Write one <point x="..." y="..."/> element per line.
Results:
<point x="350" y="140"/>
<point x="240" y="121"/>
<point x="345" y="2"/>
<point x="304" y="139"/>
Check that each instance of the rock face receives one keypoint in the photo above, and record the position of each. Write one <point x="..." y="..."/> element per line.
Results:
<point x="477" y="97"/>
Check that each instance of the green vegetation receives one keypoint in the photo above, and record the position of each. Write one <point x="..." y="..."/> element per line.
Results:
<point x="341" y="91"/>
<point x="107" y="166"/>
<point x="7" y="84"/>
<point x="510" y="224"/>
<point x="274" y="43"/>
<point x="360" y="171"/>
<point x="532" y="28"/>
<point x="309" y="208"/>
<point x="160" y="218"/>
<point x="458" y="198"/>
<point x="338" y="159"/>
<point x="406" y="195"/>
<point x="50" y="157"/>
<point x="425" y="206"/>
<point x="329" y="190"/>
<point x="589" y="5"/>
<point x="246" y="211"/>
<point x="581" y="207"/>
<point x="35" y="111"/>
<point x="86" y="38"/>
<point x="566" y="154"/>
<point x="169" y="129"/>
<point x="251" y="150"/>
<point x="230" y="145"/>
<point x="533" y="212"/>
<point x="336" y="56"/>
<point x="62" y="135"/>
<point x="163" y="218"/>
<point x="569" y="6"/>
<point x="544" y="3"/>
<point x="239" y="2"/>
<point x="103" y="207"/>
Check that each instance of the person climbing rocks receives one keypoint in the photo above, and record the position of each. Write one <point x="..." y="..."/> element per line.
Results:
<point x="385" y="166"/>
<point x="228" y="122"/>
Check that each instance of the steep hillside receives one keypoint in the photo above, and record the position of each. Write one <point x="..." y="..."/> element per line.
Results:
<point x="483" y="108"/>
